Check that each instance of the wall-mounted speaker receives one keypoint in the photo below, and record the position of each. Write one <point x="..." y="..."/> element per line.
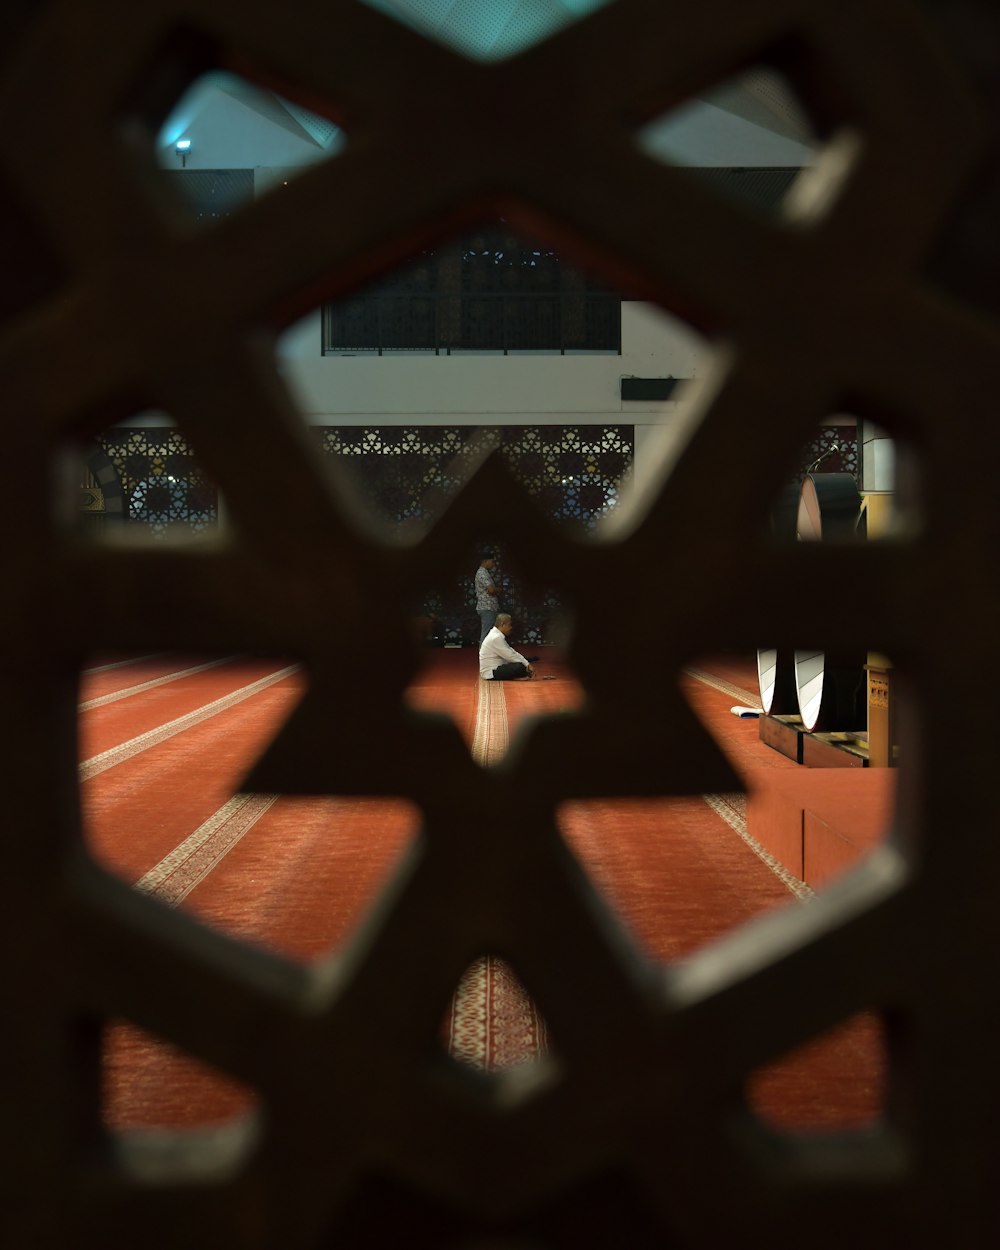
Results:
<point x="649" y="388"/>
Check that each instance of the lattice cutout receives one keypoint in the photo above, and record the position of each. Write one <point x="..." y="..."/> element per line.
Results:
<point x="166" y="491"/>
<point x="408" y="474"/>
<point x="642" y="1118"/>
<point x="839" y="446"/>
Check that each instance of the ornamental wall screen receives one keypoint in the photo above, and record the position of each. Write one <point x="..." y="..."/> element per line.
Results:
<point x="406" y="474"/>
<point x="642" y="1131"/>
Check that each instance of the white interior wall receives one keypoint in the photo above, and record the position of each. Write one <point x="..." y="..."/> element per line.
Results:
<point x="229" y="132"/>
<point x="350" y="389"/>
<point x="496" y="390"/>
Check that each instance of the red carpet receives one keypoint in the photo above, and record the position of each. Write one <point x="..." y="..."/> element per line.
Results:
<point x="292" y="875"/>
<point x="296" y="875"/>
<point x="678" y="876"/>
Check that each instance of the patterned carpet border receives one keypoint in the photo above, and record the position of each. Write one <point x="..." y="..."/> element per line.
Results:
<point x="494" y="1024"/>
<point x="126" y="750"/>
<point x="177" y="874"/>
<point x="491" y="736"/>
<point x="727" y="687"/>
<point x="732" y="809"/>
<point x="129" y="691"/>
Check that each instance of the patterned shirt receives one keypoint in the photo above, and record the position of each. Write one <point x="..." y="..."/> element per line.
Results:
<point x="485" y="602"/>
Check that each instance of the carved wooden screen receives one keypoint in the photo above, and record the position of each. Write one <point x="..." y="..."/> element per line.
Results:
<point x="640" y="1137"/>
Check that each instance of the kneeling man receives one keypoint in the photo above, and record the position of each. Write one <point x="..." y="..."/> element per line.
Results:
<point x="498" y="661"/>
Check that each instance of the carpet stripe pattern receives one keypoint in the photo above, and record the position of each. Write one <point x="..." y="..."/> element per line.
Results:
<point x="177" y="874"/>
<point x="491" y="737"/>
<point x="727" y="687"/>
<point x="153" y="737"/>
<point x="494" y="1024"/>
<point x="296" y="875"/>
<point x="116" y="695"/>
<point x="722" y="805"/>
<point x="732" y="807"/>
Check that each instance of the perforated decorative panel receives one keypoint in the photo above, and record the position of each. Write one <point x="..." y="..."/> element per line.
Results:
<point x="161" y="480"/>
<point x="639" y="1132"/>
<point x="575" y="474"/>
<point x="835" y="449"/>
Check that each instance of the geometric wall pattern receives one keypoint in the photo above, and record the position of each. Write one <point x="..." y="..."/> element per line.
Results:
<point x="407" y="475"/>
<point x="161" y="480"/>
<point x="875" y="291"/>
<point x="847" y="457"/>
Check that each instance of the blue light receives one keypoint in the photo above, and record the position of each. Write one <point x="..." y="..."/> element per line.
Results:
<point x="487" y="30"/>
<point x="183" y="145"/>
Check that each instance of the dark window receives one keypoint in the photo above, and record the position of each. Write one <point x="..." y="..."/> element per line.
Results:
<point x="212" y="194"/>
<point x="490" y="292"/>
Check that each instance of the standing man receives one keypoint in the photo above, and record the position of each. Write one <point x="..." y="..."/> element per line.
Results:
<point x="487" y="600"/>
<point x="498" y="661"/>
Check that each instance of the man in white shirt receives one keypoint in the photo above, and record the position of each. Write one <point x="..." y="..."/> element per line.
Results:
<point x="498" y="661"/>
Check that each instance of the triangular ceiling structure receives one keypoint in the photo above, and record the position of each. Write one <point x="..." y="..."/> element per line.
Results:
<point x="752" y="120"/>
<point x="505" y="27"/>
<point x="488" y="32"/>
<point x="212" y="89"/>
